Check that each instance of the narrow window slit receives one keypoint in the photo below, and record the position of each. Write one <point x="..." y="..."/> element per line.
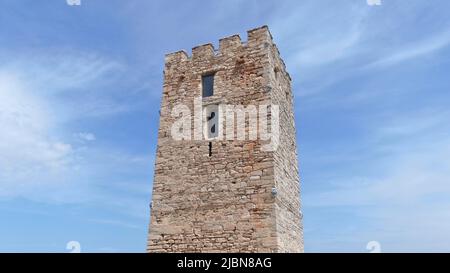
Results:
<point x="210" y="148"/>
<point x="207" y="85"/>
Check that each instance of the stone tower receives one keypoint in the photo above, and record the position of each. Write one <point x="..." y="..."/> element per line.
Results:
<point x="219" y="194"/>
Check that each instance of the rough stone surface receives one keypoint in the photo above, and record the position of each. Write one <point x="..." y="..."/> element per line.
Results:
<point x="224" y="202"/>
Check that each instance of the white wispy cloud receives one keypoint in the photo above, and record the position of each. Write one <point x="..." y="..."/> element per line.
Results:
<point x="26" y="146"/>
<point x="306" y="46"/>
<point x="412" y="51"/>
<point x="324" y="52"/>
<point x="63" y="70"/>
<point x="86" y="136"/>
<point x="347" y="41"/>
<point x="404" y="192"/>
<point x="118" y="223"/>
<point x="41" y="157"/>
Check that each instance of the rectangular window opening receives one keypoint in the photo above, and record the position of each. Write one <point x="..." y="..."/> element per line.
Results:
<point x="207" y="85"/>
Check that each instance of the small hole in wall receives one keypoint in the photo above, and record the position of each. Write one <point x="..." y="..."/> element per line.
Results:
<point x="210" y="148"/>
<point x="276" y="70"/>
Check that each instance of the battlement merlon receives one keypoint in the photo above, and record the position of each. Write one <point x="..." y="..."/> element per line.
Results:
<point x="203" y="51"/>
<point x="257" y="37"/>
<point x="176" y="57"/>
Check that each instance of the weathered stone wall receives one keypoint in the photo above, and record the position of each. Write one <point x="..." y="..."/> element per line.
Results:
<point x="287" y="181"/>
<point x="223" y="202"/>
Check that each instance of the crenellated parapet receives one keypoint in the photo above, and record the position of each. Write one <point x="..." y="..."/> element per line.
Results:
<point x="256" y="38"/>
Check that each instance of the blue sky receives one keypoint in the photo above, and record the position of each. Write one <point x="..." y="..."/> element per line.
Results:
<point x="80" y="88"/>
